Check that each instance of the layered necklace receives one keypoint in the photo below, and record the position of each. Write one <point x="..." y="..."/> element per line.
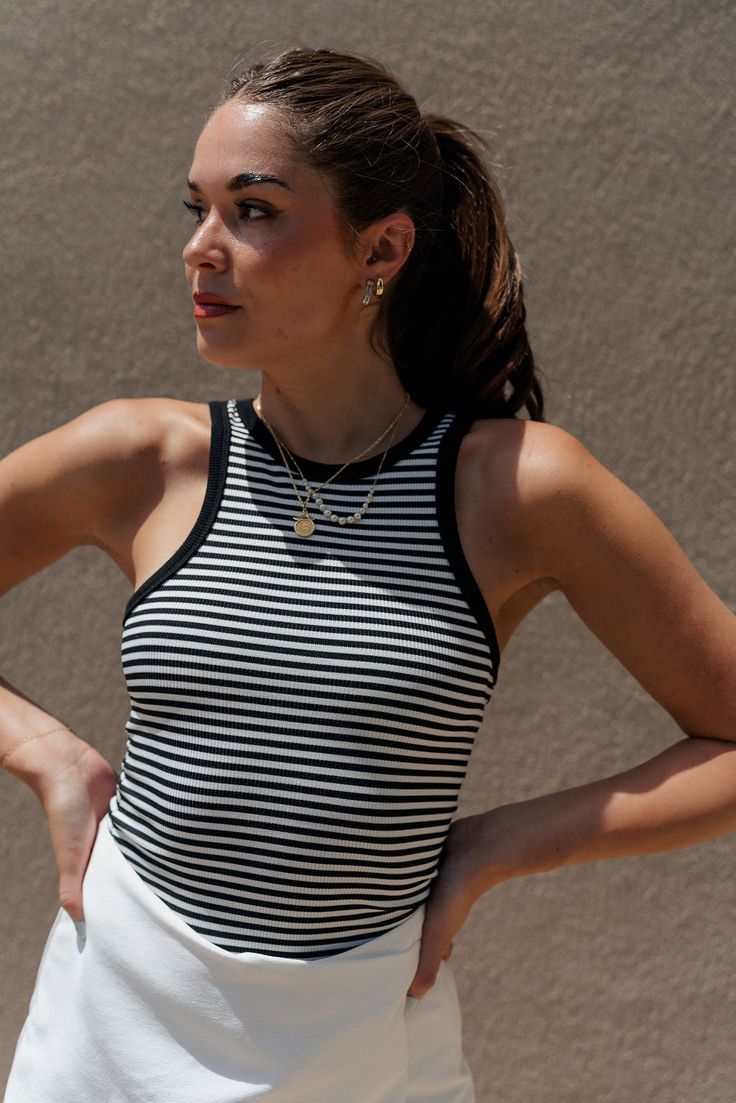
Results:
<point x="303" y="522"/>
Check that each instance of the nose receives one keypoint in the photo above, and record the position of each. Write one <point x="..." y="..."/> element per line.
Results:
<point x="205" y="246"/>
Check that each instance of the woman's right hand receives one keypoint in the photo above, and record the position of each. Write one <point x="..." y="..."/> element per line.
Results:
<point x="74" y="785"/>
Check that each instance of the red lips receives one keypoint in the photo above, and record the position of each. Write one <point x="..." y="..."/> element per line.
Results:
<point x="209" y="305"/>
<point x="208" y="297"/>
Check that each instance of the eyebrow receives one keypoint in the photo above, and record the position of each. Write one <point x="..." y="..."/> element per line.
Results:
<point x="244" y="180"/>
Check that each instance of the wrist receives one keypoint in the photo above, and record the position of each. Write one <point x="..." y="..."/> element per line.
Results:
<point x="40" y="758"/>
<point x="495" y="852"/>
<point x="478" y="851"/>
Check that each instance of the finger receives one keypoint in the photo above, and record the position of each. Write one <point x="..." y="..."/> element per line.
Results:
<point x="424" y="980"/>
<point x="70" y="897"/>
<point x="427" y="970"/>
<point x="72" y="865"/>
<point x="71" y="880"/>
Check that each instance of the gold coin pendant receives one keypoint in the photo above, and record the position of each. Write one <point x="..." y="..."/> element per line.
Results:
<point x="304" y="526"/>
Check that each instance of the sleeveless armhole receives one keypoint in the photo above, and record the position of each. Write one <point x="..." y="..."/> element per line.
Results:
<point x="447" y="520"/>
<point x="217" y="471"/>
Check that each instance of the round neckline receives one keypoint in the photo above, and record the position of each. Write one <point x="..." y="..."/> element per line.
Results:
<point x="315" y="469"/>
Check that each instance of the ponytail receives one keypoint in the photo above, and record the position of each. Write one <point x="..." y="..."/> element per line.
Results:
<point x="457" y="321"/>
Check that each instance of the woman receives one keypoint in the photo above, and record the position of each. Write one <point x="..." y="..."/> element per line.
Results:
<point x="264" y="902"/>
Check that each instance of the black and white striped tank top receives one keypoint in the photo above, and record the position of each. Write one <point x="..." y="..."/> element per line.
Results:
<point x="303" y="709"/>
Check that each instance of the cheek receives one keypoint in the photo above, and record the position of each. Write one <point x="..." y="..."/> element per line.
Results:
<point x="303" y="264"/>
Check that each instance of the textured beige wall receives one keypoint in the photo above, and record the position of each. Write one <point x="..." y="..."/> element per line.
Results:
<point x="604" y="983"/>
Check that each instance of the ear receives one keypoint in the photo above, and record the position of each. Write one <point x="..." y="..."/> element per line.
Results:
<point x="386" y="245"/>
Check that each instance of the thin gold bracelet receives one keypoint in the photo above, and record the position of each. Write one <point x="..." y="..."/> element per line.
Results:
<point x="27" y="739"/>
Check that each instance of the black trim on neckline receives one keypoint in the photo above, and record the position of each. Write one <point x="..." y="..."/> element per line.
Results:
<point x="314" y="469"/>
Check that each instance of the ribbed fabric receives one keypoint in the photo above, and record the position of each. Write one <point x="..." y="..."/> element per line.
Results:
<point x="303" y="709"/>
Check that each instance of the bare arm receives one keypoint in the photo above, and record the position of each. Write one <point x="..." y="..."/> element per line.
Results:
<point x="630" y="582"/>
<point x="60" y="491"/>
<point x="72" y="486"/>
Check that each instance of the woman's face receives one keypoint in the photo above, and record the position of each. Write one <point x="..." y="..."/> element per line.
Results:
<point x="276" y="250"/>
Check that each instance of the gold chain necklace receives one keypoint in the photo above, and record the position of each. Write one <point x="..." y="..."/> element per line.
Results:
<point x="303" y="522"/>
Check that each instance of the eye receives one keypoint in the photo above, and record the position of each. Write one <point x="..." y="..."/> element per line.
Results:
<point x="243" y="204"/>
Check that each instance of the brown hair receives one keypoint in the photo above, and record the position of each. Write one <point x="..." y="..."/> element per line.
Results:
<point x="453" y="317"/>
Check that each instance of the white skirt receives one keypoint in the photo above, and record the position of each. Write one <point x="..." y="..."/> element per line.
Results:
<point x="140" y="1008"/>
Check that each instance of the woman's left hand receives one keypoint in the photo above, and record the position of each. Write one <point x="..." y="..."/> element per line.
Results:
<point x="454" y="891"/>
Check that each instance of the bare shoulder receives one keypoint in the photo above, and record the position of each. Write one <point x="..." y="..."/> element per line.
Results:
<point x="127" y="428"/>
<point x="84" y="481"/>
<point x="572" y="521"/>
<point x="530" y="459"/>
<point x="128" y="433"/>
<point x="516" y="470"/>
<point x="513" y="480"/>
<point x="537" y="451"/>
<point x="548" y="513"/>
<point x="559" y="497"/>
<point x="113" y="432"/>
<point x="184" y="430"/>
<point x="124" y="446"/>
<point x="158" y="444"/>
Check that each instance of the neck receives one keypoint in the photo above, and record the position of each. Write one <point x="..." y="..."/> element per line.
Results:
<point x="334" y="427"/>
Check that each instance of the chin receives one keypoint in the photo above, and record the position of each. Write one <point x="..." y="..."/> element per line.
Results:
<point x="225" y="357"/>
<point x="224" y="353"/>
